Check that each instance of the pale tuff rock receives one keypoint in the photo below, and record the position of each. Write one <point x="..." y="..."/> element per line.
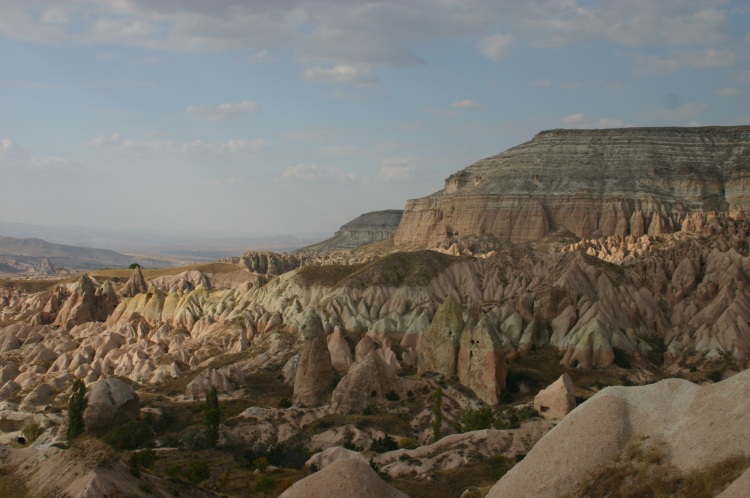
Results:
<point x="314" y="377"/>
<point x="136" y="284"/>
<point x="365" y="229"/>
<point x="441" y="342"/>
<point x="333" y="454"/>
<point x="557" y="400"/>
<point x="350" y="477"/>
<point x="225" y="380"/>
<point x="341" y="355"/>
<point x="694" y="425"/>
<point x="614" y="182"/>
<point x="454" y="451"/>
<point x="86" y="304"/>
<point x="270" y="263"/>
<point x="481" y="361"/>
<point x="367" y="380"/>
<point x="110" y="402"/>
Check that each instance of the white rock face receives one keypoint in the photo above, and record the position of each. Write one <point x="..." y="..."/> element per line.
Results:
<point x="111" y="402"/>
<point x="557" y="400"/>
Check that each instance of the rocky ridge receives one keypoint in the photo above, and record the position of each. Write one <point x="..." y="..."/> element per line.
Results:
<point x="628" y="181"/>
<point x="366" y="229"/>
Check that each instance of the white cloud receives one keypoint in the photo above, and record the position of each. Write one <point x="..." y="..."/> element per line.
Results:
<point x="574" y="118"/>
<point x="579" y="120"/>
<point x="316" y="171"/>
<point x="14" y="157"/>
<point x="745" y="77"/>
<point x="679" y="59"/>
<point x="727" y="92"/>
<point x="221" y="111"/>
<point x="396" y="168"/>
<point x="378" y="32"/>
<point x="113" y="144"/>
<point x="342" y="74"/>
<point x="496" y="47"/>
<point x="465" y="104"/>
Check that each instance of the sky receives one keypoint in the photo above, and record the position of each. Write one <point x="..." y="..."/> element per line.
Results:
<point x="295" y="116"/>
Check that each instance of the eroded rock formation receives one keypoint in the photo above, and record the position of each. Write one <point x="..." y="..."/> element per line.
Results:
<point x="628" y="181"/>
<point x="365" y="229"/>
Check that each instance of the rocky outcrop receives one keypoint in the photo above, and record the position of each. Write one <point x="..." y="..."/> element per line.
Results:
<point x="481" y="361"/>
<point x="368" y="379"/>
<point x="349" y="477"/>
<point x="690" y="426"/>
<point x="86" y="303"/>
<point x="366" y="229"/>
<point x="609" y="182"/>
<point x="440" y="344"/>
<point x="270" y="263"/>
<point x="110" y="402"/>
<point x="314" y="378"/>
<point x="136" y="284"/>
<point x="557" y="400"/>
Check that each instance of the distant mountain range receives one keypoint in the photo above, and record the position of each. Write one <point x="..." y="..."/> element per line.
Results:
<point x="37" y="256"/>
<point x="174" y="247"/>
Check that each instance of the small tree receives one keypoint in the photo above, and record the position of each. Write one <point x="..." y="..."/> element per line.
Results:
<point x="265" y="484"/>
<point x="261" y="463"/>
<point x="213" y="417"/>
<point x="76" y="406"/>
<point x="437" y="412"/>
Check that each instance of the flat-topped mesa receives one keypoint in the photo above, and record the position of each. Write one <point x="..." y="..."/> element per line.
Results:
<point x="368" y="228"/>
<point x="591" y="182"/>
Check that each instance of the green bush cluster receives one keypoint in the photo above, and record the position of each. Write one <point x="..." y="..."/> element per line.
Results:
<point x="383" y="444"/>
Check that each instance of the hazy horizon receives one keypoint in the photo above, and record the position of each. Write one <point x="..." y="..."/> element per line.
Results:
<point x="269" y="117"/>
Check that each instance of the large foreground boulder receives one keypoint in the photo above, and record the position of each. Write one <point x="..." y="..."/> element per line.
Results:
<point x="352" y="478"/>
<point x="692" y="426"/>
<point x="111" y="402"/>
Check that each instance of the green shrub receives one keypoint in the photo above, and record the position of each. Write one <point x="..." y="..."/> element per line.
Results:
<point x="76" y="406"/>
<point x="261" y="463"/>
<point x="264" y="485"/>
<point x="392" y="396"/>
<point x="408" y="443"/>
<point x="194" y="439"/>
<point x="474" y="420"/>
<point x="213" y="417"/>
<point x="145" y="458"/>
<point x="32" y="430"/>
<point x="437" y="412"/>
<point x="197" y="471"/>
<point x="383" y="444"/>
<point x="131" y="435"/>
<point x="285" y="403"/>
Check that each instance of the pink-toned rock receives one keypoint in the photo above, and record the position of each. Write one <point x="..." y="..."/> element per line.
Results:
<point x="314" y="378"/>
<point x="346" y="478"/>
<point x="557" y="400"/>
<point x="136" y="284"/>
<point x="341" y="355"/>
<point x="439" y="351"/>
<point x="481" y="362"/>
<point x="367" y="380"/>
<point x="110" y="402"/>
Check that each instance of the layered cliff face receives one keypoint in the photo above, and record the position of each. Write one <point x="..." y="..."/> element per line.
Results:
<point x="606" y="182"/>
<point x="365" y="229"/>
